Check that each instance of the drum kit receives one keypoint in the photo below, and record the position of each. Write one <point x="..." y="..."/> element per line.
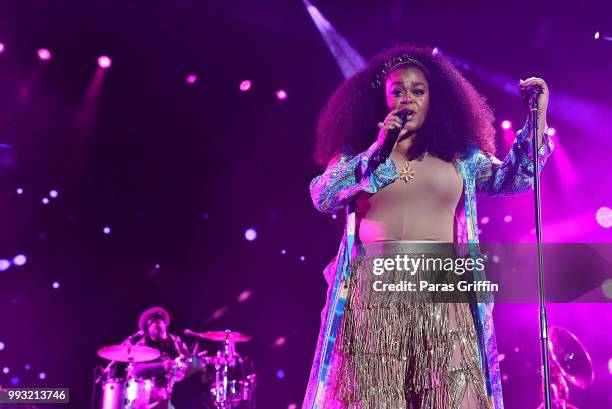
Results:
<point x="225" y="380"/>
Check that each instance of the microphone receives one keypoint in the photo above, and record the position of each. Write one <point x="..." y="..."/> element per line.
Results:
<point x="393" y="134"/>
<point x="137" y="334"/>
<point x="535" y="90"/>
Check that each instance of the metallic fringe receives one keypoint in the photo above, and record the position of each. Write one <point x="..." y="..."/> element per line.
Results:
<point x="393" y="352"/>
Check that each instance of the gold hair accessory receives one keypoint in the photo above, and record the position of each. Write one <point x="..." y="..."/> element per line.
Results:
<point x="394" y="63"/>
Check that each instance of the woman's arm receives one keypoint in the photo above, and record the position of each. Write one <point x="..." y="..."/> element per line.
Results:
<point x="346" y="176"/>
<point x="515" y="173"/>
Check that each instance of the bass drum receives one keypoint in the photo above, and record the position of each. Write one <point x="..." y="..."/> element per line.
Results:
<point x="193" y="389"/>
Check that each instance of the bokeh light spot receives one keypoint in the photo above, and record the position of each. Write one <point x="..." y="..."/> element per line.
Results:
<point x="250" y="234"/>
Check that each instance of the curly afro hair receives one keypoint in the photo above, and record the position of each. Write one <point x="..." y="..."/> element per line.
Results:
<point x="459" y="117"/>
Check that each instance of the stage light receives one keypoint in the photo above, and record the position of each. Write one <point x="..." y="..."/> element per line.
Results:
<point x="435" y="51"/>
<point x="250" y="234"/>
<point x="552" y="131"/>
<point x="6" y="370"/>
<point x="53" y="194"/>
<point x="27" y="367"/>
<point x="4" y="264"/>
<point x="280" y="374"/>
<point x="191" y="79"/>
<point x="507" y="218"/>
<point x="506" y="124"/>
<point x="485" y="220"/>
<point x="283" y="251"/>
<point x="2" y="346"/>
<point x="15" y="381"/>
<point x="604" y="217"/>
<point x="55" y="285"/>
<point x="20" y="259"/>
<point x="205" y="216"/>
<point x="44" y="54"/>
<point x="1" y="48"/>
<point x="104" y="61"/>
<point x="19" y="191"/>
<point x="597" y="35"/>
<point x="302" y="258"/>
<point x="42" y="376"/>
<point x="245" y="85"/>
<point x="106" y="230"/>
<point x="281" y="94"/>
<point x="45" y="200"/>
<point x="610" y="366"/>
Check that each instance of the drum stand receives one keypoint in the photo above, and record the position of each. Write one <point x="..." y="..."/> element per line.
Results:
<point x="222" y="374"/>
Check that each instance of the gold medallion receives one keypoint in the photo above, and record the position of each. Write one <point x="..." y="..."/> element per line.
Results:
<point x="407" y="172"/>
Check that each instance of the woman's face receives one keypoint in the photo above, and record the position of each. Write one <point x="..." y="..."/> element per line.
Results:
<point x="407" y="89"/>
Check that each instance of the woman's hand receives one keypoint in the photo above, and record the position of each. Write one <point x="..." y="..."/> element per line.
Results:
<point x="525" y="87"/>
<point x="390" y="122"/>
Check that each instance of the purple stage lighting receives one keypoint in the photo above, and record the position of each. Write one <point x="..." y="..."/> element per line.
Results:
<point x="19" y="191"/>
<point x="53" y="194"/>
<point x="6" y="370"/>
<point x="506" y="124"/>
<point x="2" y="346"/>
<point x="104" y="61"/>
<point x="245" y="85"/>
<point x="4" y="264"/>
<point x="45" y="200"/>
<point x="596" y="35"/>
<point x="42" y="376"/>
<point x="552" y="131"/>
<point x="106" y="230"/>
<point x="604" y="217"/>
<point x="1" y="48"/>
<point x="281" y="94"/>
<point x="44" y="54"/>
<point x="245" y="295"/>
<point x="55" y="285"/>
<point x="191" y="79"/>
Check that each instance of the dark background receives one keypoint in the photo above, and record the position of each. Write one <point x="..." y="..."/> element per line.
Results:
<point x="179" y="172"/>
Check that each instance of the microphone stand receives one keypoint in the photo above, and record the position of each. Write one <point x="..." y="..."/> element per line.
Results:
<point x="533" y="105"/>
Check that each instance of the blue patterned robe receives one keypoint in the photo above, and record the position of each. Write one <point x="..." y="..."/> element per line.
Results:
<point x="348" y="175"/>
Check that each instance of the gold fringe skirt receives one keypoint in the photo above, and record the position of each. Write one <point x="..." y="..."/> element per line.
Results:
<point x="395" y="351"/>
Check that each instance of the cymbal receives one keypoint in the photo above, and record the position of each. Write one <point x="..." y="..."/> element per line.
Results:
<point x="128" y="353"/>
<point x="232" y="336"/>
<point x="571" y="356"/>
<point x="221" y="336"/>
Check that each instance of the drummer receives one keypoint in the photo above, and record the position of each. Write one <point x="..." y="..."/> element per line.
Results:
<point x="154" y="324"/>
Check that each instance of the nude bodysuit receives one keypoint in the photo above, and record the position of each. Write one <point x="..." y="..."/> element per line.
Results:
<point x="393" y="352"/>
<point x="421" y="209"/>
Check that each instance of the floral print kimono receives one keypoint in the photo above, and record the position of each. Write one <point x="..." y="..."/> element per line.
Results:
<point x="347" y="175"/>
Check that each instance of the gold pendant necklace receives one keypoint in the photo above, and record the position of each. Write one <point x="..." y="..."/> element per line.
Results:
<point x="407" y="173"/>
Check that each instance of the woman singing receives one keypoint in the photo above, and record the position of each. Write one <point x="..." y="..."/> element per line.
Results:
<point x="409" y="182"/>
